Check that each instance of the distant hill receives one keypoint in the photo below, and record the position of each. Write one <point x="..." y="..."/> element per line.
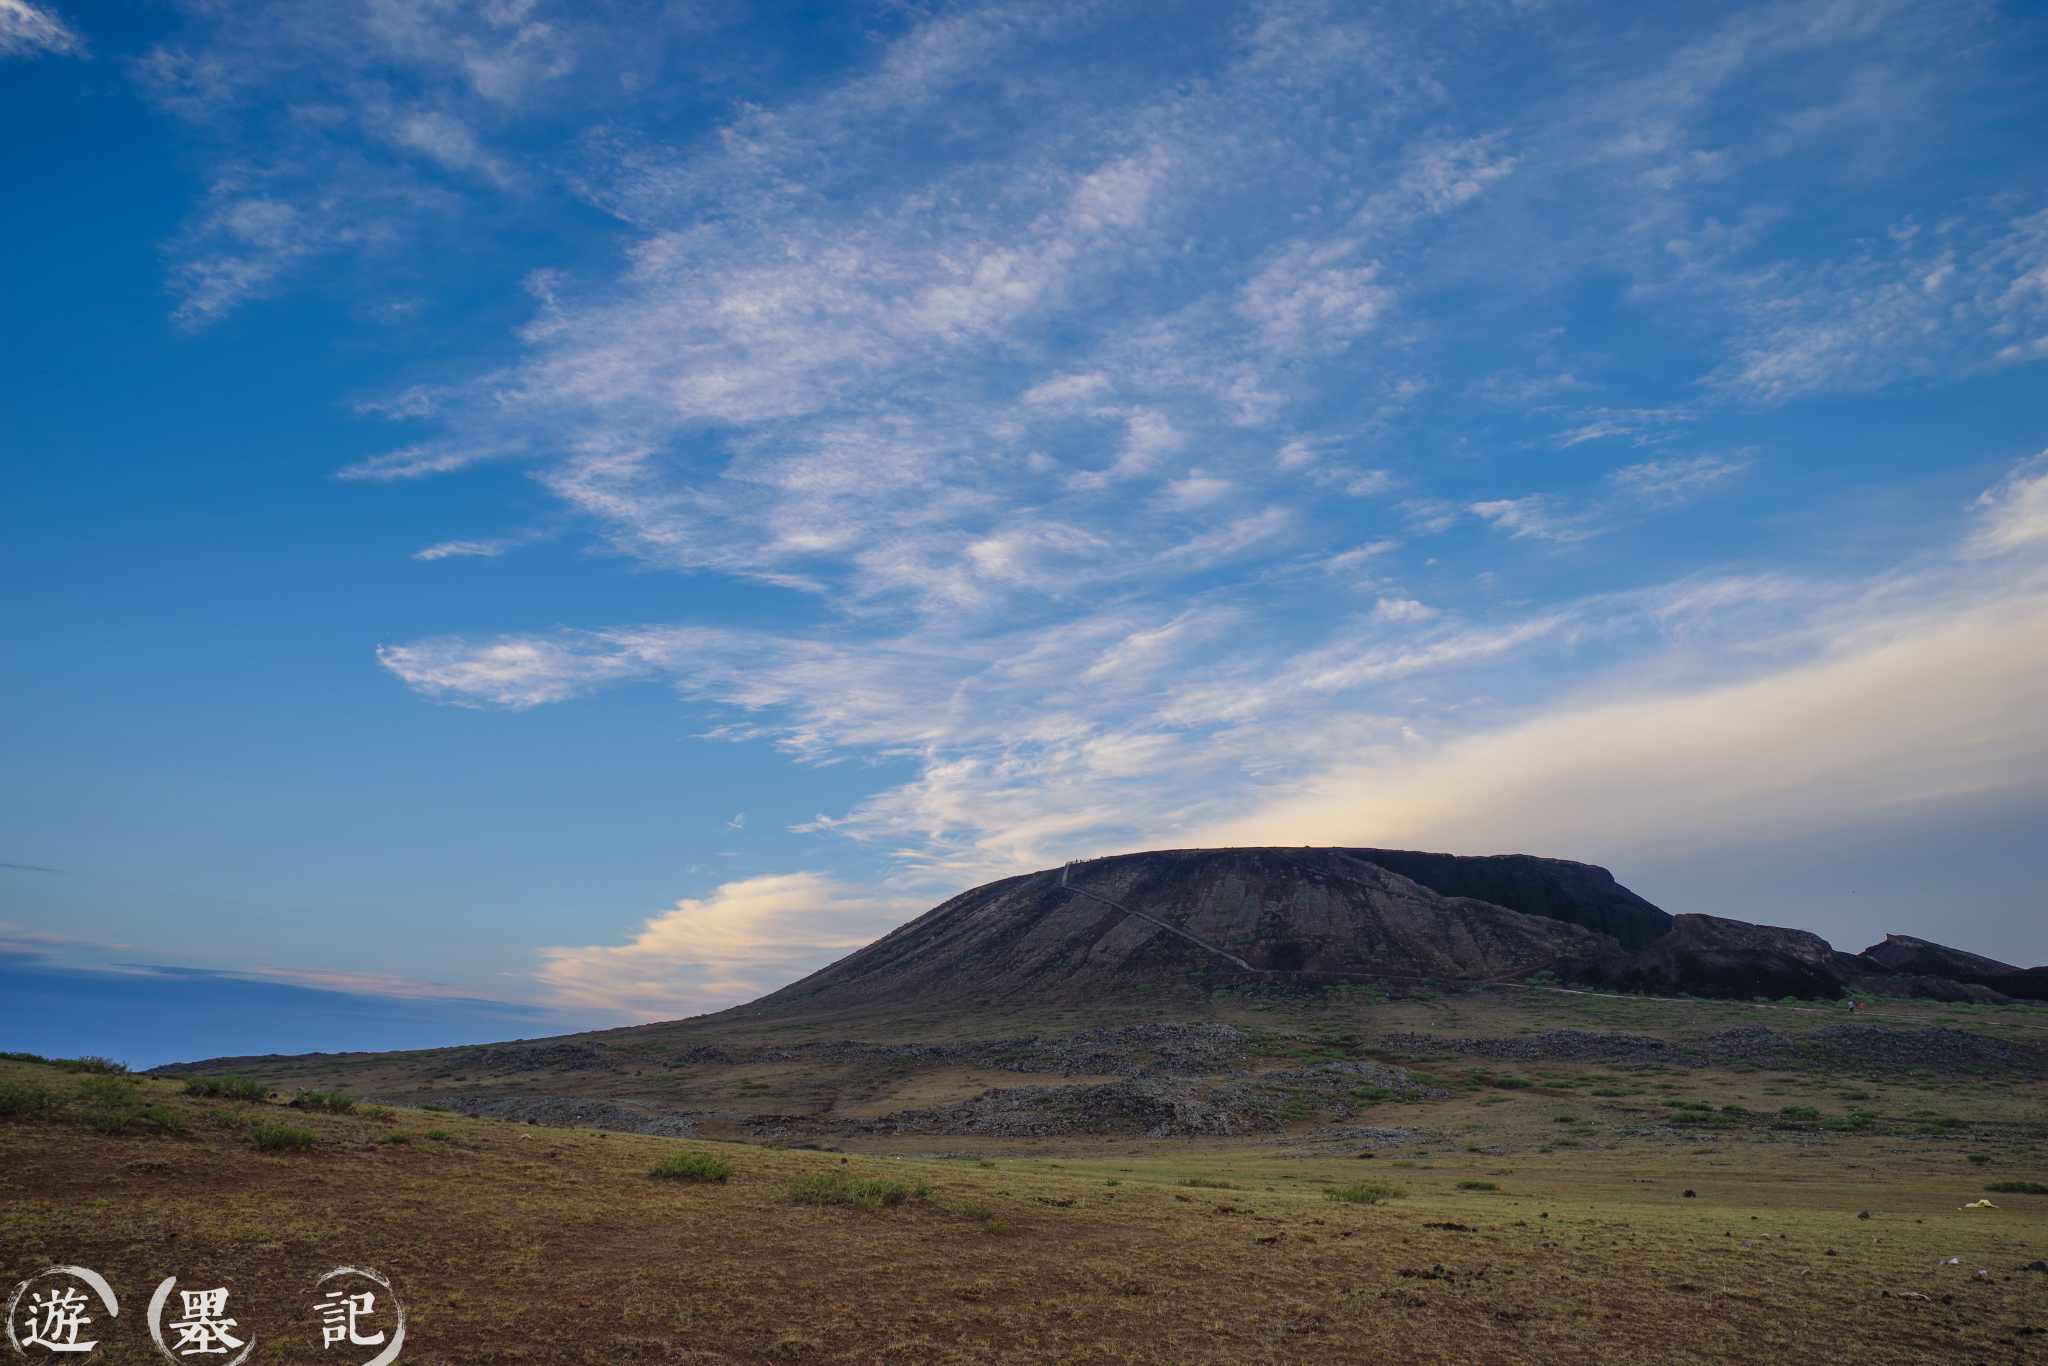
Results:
<point x="1115" y="942"/>
<point x="1264" y="916"/>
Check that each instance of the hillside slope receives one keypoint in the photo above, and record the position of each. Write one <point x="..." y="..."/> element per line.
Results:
<point x="1308" y="914"/>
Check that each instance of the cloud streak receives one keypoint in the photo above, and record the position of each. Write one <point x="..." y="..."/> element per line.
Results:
<point x="744" y="940"/>
<point x="1293" y="408"/>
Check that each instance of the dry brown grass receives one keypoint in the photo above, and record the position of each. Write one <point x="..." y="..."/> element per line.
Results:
<point x="518" y="1243"/>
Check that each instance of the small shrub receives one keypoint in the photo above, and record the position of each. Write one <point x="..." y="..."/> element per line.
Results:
<point x="1846" y="1122"/>
<point x="162" y="1118"/>
<point x="1512" y="1083"/>
<point x="837" y="1188"/>
<point x="437" y="1109"/>
<point x="91" y="1062"/>
<point x="110" y="1091"/>
<point x="990" y="1165"/>
<point x="23" y="1057"/>
<point x="377" y="1112"/>
<point x="333" y="1101"/>
<point x="974" y="1209"/>
<point x="231" y="1117"/>
<point x="1207" y="1184"/>
<point x="28" y="1102"/>
<point x="1363" y="1156"/>
<point x="1609" y="1091"/>
<point x="280" y="1138"/>
<point x="1477" y="1186"/>
<point x="1855" y="1095"/>
<point x="227" y="1088"/>
<point x="1112" y="1182"/>
<point x="1799" y="1111"/>
<point x="997" y="1226"/>
<point x="396" y="1136"/>
<point x="1365" y="1193"/>
<point x="438" y="1135"/>
<point x="1978" y="1159"/>
<point x="692" y="1167"/>
<point x="2018" y="1188"/>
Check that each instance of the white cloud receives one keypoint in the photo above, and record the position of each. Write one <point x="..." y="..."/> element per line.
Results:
<point x="1670" y="481"/>
<point x="1946" y="300"/>
<point x="28" y="31"/>
<point x="1536" y="515"/>
<point x="1069" y="407"/>
<point x="742" y="941"/>
<point x="488" y="549"/>
<point x="2015" y="514"/>
<point x="1737" y="702"/>
<point x="1900" y="716"/>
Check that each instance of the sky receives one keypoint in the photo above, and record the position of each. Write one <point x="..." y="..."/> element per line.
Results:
<point x="527" y="516"/>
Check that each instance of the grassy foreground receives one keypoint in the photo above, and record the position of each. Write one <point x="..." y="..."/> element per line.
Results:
<point x="520" y="1243"/>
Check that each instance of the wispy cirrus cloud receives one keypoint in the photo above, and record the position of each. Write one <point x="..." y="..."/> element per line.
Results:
<point x="29" y="31"/>
<point x="1158" y="443"/>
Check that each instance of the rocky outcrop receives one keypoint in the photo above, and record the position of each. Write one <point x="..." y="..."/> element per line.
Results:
<point x="1923" y="958"/>
<point x="1296" y="916"/>
<point x="1705" y="955"/>
<point x="1577" y="893"/>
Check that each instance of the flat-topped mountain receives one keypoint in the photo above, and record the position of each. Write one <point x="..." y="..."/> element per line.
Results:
<point x="1121" y="939"/>
<point x="1222" y="917"/>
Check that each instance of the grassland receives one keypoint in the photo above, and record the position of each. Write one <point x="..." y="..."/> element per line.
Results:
<point x="522" y="1243"/>
<point x="644" y="1066"/>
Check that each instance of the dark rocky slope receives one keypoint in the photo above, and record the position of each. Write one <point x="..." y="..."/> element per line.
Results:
<point x="1705" y="955"/>
<point x="1577" y="893"/>
<point x="1902" y="953"/>
<point x="1293" y="915"/>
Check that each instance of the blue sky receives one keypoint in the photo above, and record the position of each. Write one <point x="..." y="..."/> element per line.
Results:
<point x="529" y="516"/>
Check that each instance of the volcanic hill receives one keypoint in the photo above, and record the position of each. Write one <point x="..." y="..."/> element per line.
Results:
<point x="1228" y="917"/>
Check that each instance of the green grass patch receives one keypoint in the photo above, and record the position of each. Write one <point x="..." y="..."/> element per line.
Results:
<point x="1366" y="1193"/>
<point x="837" y="1188"/>
<point x="227" y="1088"/>
<point x="692" y="1167"/>
<point x="1477" y="1186"/>
<point x="2017" y="1188"/>
<point x="29" y="1102"/>
<point x="332" y="1101"/>
<point x="280" y="1138"/>
<point x="1208" y="1184"/>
